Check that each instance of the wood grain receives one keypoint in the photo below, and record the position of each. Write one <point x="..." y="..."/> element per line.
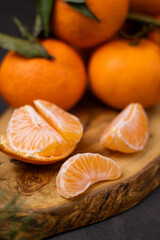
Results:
<point x="36" y="184"/>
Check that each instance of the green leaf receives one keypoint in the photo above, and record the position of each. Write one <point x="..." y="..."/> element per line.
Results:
<point x="37" y="26"/>
<point x="44" y="8"/>
<point x="12" y="225"/>
<point x="23" y="47"/>
<point x="82" y="8"/>
<point x="23" y="29"/>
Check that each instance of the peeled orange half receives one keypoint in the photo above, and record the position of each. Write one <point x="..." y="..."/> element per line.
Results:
<point x="82" y="170"/>
<point x="128" y="132"/>
<point x="41" y="138"/>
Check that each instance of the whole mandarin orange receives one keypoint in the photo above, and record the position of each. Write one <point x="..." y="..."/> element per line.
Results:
<point x="121" y="73"/>
<point x="61" y="81"/>
<point x="81" y="31"/>
<point x="146" y="6"/>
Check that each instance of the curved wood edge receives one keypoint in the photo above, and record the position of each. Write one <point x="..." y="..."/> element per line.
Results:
<point x="94" y="207"/>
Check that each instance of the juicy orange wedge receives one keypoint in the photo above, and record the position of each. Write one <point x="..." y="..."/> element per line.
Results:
<point x="66" y="124"/>
<point x="31" y="137"/>
<point x="128" y="132"/>
<point x="82" y="170"/>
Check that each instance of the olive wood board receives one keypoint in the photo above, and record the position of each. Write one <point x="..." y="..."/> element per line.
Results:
<point x="50" y="213"/>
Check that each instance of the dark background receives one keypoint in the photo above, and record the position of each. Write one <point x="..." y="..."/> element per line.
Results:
<point x="139" y="223"/>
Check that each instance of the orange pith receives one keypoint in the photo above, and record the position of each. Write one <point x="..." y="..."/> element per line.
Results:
<point x="83" y="170"/>
<point x="128" y="132"/>
<point x="31" y="137"/>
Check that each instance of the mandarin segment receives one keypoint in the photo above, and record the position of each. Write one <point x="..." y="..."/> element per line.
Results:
<point x="128" y="132"/>
<point x="32" y="138"/>
<point x="28" y="131"/>
<point x="82" y="170"/>
<point x="65" y="123"/>
<point x="61" y="151"/>
<point x="34" y="158"/>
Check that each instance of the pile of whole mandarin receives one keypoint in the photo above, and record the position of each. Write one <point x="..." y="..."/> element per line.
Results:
<point x="120" y="71"/>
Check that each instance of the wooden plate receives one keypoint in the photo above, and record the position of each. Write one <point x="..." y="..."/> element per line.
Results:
<point x="52" y="214"/>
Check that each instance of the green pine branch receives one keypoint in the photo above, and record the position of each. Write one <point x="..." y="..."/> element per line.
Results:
<point x="15" y="227"/>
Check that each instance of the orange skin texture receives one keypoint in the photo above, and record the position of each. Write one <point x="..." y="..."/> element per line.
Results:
<point x="81" y="31"/>
<point x="154" y="35"/>
<point x="146" y="6"/>
<point x="61" y="81"/>
<point x="121" y="74"/>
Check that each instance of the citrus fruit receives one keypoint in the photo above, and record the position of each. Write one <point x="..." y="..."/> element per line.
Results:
<point x="66" y="124"/>
<point x="146" y="6"/>
<point x="121" y="73"/>
<point x="82" y="31"/>
<point x="41" y="138"/>
<point x="128" y="132"/>
<point x="61" y="80"/>
<point x="82" y="170"/>
<point x="154" y="35"/>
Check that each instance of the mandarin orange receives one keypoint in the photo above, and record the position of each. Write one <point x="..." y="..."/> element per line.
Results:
<point x="61" y="81"/>
<point x="121" y="73"/>
<point x="81" y="31"/>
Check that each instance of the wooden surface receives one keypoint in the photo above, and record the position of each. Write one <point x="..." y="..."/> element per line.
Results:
<point x="52" y="214"/>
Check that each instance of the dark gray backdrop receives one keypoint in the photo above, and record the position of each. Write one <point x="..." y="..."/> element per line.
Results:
<point x="139" y="223"/>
